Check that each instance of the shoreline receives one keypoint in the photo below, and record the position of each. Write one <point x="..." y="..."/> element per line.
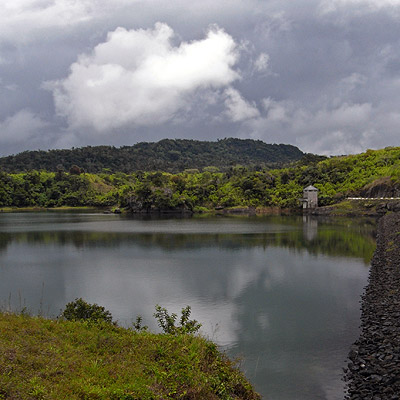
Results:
<point x="111" y="210"/>
<point x="347" y="208"/>
<point x="51" y="209"/>
<point x="373" y="359"/>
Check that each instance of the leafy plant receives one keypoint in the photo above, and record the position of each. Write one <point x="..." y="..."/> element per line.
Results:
<point x="80" y="310"/>
<point x="167" y="321"/>
<point x="138" y="324"/>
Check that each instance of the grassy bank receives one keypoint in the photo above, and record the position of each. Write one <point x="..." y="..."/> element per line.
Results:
<point x="56" y="359"/>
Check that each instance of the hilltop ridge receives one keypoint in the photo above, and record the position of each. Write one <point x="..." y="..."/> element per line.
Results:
<point x="168" y="155"/>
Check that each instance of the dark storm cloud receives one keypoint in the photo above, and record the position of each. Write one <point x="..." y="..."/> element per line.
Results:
<point x="323" y="75"/>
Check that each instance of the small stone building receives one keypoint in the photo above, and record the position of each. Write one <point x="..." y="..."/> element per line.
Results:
<point x="310" y="197"/>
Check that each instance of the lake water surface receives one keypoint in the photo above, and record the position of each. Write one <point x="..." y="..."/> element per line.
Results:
<point x="282" y="293"/>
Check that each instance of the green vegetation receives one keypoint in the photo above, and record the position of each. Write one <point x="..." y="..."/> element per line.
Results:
<point x="167" y="322"/>
<point x="80" y="310"/>
<point x="166" y="155"/>
<point x="92" y="358"/>
<point x="369" y="174"/>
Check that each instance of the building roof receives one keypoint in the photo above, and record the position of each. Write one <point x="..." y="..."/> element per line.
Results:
<point x="310" y="188"/>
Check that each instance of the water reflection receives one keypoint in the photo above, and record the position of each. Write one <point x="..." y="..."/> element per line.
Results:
<point x="292" y="320"/>
<point x="310" y="227"/>
<point x="346" y="239"/>
<point x="281" y="292"/>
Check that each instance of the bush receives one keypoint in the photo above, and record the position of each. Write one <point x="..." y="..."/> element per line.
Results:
<point x="167" y="321"/>
<point x="138" y="324"/>
<point x="80" y="310"/>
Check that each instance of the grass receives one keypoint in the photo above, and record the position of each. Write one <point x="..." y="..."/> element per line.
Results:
<point x="57" y="359"/>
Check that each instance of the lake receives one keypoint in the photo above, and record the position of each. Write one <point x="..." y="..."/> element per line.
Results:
<point x="281" y="293"/>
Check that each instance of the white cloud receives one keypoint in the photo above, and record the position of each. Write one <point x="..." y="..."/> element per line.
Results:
<point x="23" y="20"/>
<point x="352" y="81"/>
<point x="20" y="18"/>
<point x="341" y="130"/>
<point x="262" y="62"/>
<point x="20" y="127"/>
<point x="140" y="77"/>
<point x="348" y="128"/>
<point x="276" y="111"/>
<point x="328" y="6"/>
<point x="347" y="115"/>
<point x="238" y="109"/>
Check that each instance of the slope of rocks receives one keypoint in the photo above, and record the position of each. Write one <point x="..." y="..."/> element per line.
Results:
<point x="374" y="360"/>
<point x="382" y="187"/>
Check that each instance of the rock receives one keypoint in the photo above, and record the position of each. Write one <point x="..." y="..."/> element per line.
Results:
<point x="373" y="368"/>
<point x="394" y="206"/>
<point x="381" y="208"/>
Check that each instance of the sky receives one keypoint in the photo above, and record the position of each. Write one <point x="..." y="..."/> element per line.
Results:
<point x="323" y="75"/>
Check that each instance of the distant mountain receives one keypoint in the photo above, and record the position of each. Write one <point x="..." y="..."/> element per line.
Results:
<point x="166" y="155"/>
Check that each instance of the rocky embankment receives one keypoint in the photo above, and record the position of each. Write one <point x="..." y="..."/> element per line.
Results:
<point x="374" y="360"/>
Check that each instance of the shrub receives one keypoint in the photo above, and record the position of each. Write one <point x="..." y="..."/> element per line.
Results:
<point x="167" y="321"/>
<point x="138" y="324"/>
<point x="80" y="310"/>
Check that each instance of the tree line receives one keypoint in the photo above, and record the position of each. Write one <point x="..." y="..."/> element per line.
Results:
<point x="166" y="155"/>
<point x="238" y="186"/>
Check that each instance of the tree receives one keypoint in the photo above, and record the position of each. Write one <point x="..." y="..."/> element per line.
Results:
<point x="75" y="170"/>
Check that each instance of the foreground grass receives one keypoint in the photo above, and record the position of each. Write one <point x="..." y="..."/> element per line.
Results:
<point x="55" y="359"/>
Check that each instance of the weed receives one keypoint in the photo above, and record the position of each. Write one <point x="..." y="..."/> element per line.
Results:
<point x="37" y="390"/>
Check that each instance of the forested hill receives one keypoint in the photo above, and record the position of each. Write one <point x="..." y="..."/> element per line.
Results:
<point x="375" y="173"/>
<point x="166" y="155"/>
